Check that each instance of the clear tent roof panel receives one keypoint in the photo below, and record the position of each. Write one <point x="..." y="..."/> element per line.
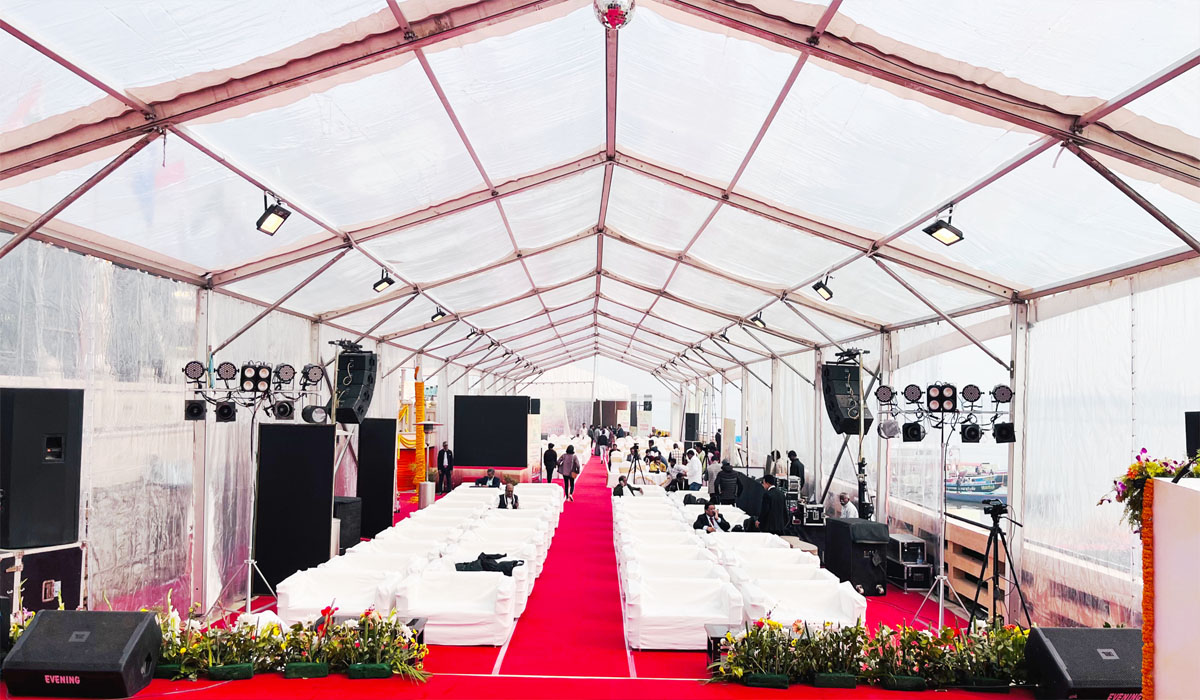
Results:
<point x="529" y="99"/>
<point x="714" y="292"/>
<point x="520" y="328"/>
<point x="693" y="98"/>
<point x="689" y="317"/>
<point x="1097" y="48"/>
<point x="270" y="286"/>
<point x="619" y="311"/>
<point x="445" y="247"/>
<point x="634" y="264"/>
<point x="863" y="285"/>
<point x="670" y="329"/>
<point x="367" y="318"/>
<point x="777" y="345"/>
<point x="414" y="315"/>
<point x="347" y="282"/>
<point x="779" y="317"/>
<point x="854" y="153"/>
<point x="421" y="337"/>
<point x="1179" y="202"/>
<point x="562" y="264"/>
<point x="1175" y="104"/>
<point x="653" y="212"/>
<point x="754" y="247"/>
<point x="37" y="88"/>
<point x="624" y="294"/>
<point x="132" y="44"/>
<point x="571" y="311"/>
<point x="1050" y="220"/>
<point x="484" y="288"/>
<point x="576" y="291"/>
<point x="451" y="350"/>
<point x="557" y="210"/>
<point x="507" y="313"/>
<point x="170" y="198"/>
<point x="336" y="150"/>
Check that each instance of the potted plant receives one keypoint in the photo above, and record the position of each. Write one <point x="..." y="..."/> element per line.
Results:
<point x="228" y="654"/>
<point x="760" y="657"/>
<point x="836" y="655"/>
<point x="995" y="657"/>
<point x="304" y="651"/>
<point x="178" y="657"/>
<point x="895" y="657"/>
<point x="374" y="646"/>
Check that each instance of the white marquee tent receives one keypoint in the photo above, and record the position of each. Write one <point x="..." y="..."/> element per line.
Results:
<point x="543" y="190"/>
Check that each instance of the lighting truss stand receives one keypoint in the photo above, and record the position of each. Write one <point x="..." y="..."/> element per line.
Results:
<point x="941" y="581"/>
<point x="251" y="564"/>
<point x="995" y="542"/>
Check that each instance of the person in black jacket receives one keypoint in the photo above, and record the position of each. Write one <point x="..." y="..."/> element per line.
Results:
<point x="445" y="467"/>
<point x="509" y="499"/>
<point x="728" y="487"/>
<point x="490" y="480"/>
<point x="550" y="461"/>
<point x="796" y="467"/>
<point x="773" y="515"/>
<point x="711" y="520"/>
<point x="625" y="489"/>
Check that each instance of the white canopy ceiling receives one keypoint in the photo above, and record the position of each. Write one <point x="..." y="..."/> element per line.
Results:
<point x="561" y="191"/>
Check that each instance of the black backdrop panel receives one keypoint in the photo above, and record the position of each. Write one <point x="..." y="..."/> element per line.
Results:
<point x="376" y="473"/>
<point x="41" y="441"/>
<point x="295" y="499"/>
<point x="491" y="431"/>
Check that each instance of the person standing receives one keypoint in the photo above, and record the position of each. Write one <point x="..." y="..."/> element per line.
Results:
<point x="602" y="442"/>
<point x="550" y="461"/>
<point x="796" y="467"/>
<point x="717" y="439"/>
<point x="728" y="486"/>
<point x="676" y="452"/>
<point x="694" y="469"/>
<point x="712" y="474"/>
<point x="773" y="515"/>
<point x="445" y="467"/>
<point x="568" y="466"/>
<point x="849" y="510"/>
<point x="780" y="468"/>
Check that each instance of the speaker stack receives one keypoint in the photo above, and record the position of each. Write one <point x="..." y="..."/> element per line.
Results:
<point x="840" y="384"/>
<point x="355" y="386"/>
<point x="81" y="653"/>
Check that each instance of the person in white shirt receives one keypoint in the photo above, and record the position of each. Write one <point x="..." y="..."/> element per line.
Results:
<point x="849" y="510"/>
<point x="695" y="470"/>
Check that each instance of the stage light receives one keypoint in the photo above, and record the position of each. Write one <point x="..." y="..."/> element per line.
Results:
<point x="912" y="393"/>
<point x="247" y="385"/>
<point x="195" y="409"/>
<point x="822" y="289"/>
<point x="314" y="414"/>
<point x="193" y="370"/>
<point x="971" y="393"/>
<point x="943" y="232"/>
<point x="971" y="432"/>
<point x="913" y="432"/>
<point x="227" y="371"/>
<point x="264" y="372"/>
<point x="724" y="337"/>
<point x="262" y="385"/>
<point x="1004" y="432"/>
<point x="226" y="412"/>
<point x="758" y="321"/>
<point x="284" y="410"/>
<point x="885" y="394"/>
<point x="285" y="373"/>
<point x="312" y="374"/>
<point x="437" y="315"/>
<point x="1001" y="393"/>
<point x="941" y="398"/>
<point x="384" y="282"/>
<point x="272" y="217"/>
<point x="888" y="428"/>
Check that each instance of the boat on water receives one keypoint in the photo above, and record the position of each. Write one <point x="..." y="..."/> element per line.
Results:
<point x="974" y="483"/>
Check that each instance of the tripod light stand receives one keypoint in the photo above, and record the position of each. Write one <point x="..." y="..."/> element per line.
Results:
<point x="941" y="580"/>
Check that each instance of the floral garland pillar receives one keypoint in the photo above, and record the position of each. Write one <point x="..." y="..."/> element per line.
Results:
<point x="1147" y="535"/>
<point x="419" y="471"/>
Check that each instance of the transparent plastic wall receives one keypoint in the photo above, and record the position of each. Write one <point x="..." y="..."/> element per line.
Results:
<point x="70" y="321"/>
<point x="229" y="454"/>
<point x="756" y="409"/>
<point x="1105" y="381"/>
<point x="792" y="416"/>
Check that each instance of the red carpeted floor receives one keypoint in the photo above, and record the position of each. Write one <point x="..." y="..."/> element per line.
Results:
<point x="569" y="643"/>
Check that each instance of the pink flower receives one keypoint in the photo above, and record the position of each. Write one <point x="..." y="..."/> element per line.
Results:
<point x="759" y="623"/>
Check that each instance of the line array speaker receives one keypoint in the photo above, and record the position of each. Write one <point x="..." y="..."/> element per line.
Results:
<point x="355" y="386"/>
<point x="41" y="441"/>
<point x="840" y="385"/>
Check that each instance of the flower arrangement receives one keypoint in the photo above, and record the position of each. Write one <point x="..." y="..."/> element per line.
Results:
<point x="1130" y="489"/>
<point x="901" y="657"/>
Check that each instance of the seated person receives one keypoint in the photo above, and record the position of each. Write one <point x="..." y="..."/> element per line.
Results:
<point x="624" y="489"/>
<point x="508" y="499"/>
<point x="491" y="480"/>
<point x="652" y="453"/>
<point x="710" y="520"/>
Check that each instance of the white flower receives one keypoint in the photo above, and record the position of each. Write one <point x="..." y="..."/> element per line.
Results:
<point x="174" y="623"/>
<point x="351" y="623"/>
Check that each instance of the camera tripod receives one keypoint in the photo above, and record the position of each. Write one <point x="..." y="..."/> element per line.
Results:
<point x="635" y="470"/>
<point x="997" y="540"/>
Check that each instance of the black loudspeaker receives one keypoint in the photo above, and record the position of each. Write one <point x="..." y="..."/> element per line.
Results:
<point x="647" y="406"/>
<point x="691" y="426"/>
<point x="82" y="653"/>
<point x="294" y="508"/>
<point x="195" y="409"/>
<point x="348" y="511"/>
<point x="376" y="474"/>
<point x="1191" y="425"/>
<point x="491" y="431"/>
<point x="355" y="385"/>
<point x="1078" y="662"/>
<point x="226" y="412"/>
<point x="41" y="438"/>
<point x="856" y="551"/>
<point x="45" y="576"/>
<point x="535" y="407"/>
<point x="840" y="384"/>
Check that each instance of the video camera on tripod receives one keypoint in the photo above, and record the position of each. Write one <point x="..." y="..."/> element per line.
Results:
<point x="995" y="507"/>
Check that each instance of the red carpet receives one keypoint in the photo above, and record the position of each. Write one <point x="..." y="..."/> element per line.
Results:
<point x="572" y="624"/>
<point x="569" y="643"/>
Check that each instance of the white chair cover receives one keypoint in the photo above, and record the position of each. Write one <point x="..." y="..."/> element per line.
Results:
<point x="460" y="608"/>
<point x="670" y="613"/>
<point x="813" y="602"/>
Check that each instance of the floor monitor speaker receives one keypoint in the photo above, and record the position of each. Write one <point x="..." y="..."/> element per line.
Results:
<point x="1081" y="662"/>
<point x="41" y="441"/>
<point x="840" y="385"/>
<point x="355" y="386"/>
<point x="84" y="653"/>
